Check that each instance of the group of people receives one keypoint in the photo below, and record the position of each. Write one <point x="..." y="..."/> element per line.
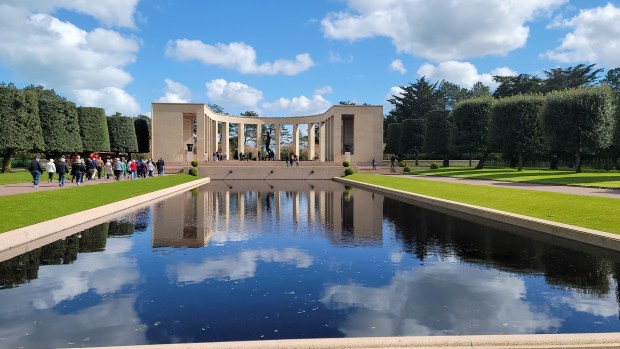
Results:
<point x="292" y="160"/>
<point x="94" y="168"/>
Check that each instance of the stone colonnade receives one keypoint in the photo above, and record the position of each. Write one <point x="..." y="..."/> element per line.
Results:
<point x="344" y="132"/>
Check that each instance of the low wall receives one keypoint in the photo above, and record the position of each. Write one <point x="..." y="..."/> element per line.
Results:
<point x="276" y="172"/>
<point x="556" y="230"/>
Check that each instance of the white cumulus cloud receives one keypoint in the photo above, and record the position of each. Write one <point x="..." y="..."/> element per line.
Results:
<point x="223" y="92"/>
<point x="440" y="30"/>
<point x="301" y="105"/>
<point x="595" y="38"/>
<point x="463" y="74"/>
<point x="236" y="55"/>
<point x="109" y="12"/>
<point x="112" y="99"/>
<point x="43" y="49"/>
<point x="397" y="65"/>
<point x="176" y="93"/>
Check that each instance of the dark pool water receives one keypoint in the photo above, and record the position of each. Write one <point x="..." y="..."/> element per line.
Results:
<point x="257" y="260"/>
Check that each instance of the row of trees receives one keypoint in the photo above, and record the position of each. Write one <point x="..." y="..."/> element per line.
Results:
<point x="37" y="120"/>
<point x="569" y="112"/>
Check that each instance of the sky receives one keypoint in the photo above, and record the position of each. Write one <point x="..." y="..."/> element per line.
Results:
<point x="290" y="57"/>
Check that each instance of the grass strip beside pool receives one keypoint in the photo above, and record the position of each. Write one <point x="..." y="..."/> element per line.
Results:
<point x="584" y="211"/>
<point x="587" y="178"/>
<point x="21" y="210"/>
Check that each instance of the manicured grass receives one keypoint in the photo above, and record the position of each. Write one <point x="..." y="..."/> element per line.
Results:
<point x="25" y="209"/>
<point x="587" y="178"/>
<point x="17" y="176"/>
<point x="584" y="211"/>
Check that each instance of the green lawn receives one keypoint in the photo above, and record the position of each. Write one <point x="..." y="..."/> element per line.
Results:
<point x="584" y="211"/>
<point x="25" y="209"/>
<point x="587" y="178"/>
<point x="18" y="176"/>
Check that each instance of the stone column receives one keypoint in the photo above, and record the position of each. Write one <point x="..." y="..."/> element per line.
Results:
<point x="322" y="141"/>
<point x="278" y="148"/>
<point x="226" y="140"/>
<point x="213" y="140"/>
<point x="296" y="139"/>
<point x="200" y="137"/>
<point x="241" y="138"/>
<point x="259" y="139"/>
<point x="311" y="141"/>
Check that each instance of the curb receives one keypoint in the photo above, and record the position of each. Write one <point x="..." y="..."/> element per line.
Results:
<point x="21" y="240"/>
<point x="588" y="236"/>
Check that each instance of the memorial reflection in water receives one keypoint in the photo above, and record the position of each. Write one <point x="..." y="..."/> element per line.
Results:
<point x="244" y="260"/>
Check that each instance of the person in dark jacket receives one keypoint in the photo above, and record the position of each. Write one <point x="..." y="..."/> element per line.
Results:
<point x="35" y="170"/>
<point x="77" y="169"/>
<point x="62" y="170"/>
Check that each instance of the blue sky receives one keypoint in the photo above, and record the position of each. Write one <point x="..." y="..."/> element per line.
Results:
<point x="289" y="58"/>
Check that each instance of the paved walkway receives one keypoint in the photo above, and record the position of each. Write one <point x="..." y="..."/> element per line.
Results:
<point x="21" y="188"/>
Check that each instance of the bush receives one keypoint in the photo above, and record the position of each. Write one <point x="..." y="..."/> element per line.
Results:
<point x="346" y="163"/>
<point x="434" y="166"/>
<point x="193" y="171"/>
<point x="194" y="163"/>
<point x="401" y="164"/>
<point x="407" y="168"/>
<point x="348" y="171"/>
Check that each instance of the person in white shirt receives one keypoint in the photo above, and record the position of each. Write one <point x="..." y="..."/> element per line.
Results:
<point x="51" y="169"/>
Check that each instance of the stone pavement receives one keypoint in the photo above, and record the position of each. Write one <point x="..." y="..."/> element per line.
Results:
<point x="21" y="188"/>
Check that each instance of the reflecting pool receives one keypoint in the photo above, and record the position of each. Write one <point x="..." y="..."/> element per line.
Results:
<point x="273" y="260"/>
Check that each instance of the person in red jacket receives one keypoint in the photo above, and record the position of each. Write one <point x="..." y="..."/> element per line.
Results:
<point x="133" y="168"/>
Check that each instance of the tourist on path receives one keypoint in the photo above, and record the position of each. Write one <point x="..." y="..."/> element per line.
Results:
<point x="374" y="164"/>
<point x="51" y="169"/>
<point x="392" y="160"/>
<point x="160" y="167"/>
<point x="150" y="167"/>
<point x="100" y="165"/>
<point x="118" y="169"/>
<point x="133" y="169"/>
<point x="77" y="169"/>
<point x="62" y="170"/>
<point x="35" y="170"/>
<point x="108" y="169"/>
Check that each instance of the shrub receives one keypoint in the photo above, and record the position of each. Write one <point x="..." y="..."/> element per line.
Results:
<point x="348" y="171"/>
<point x="434" y="165"/>
<point x="407" y="168"/>
<point x="193" y="171"/>
<point x="194" y="163"/>
<point x="401" y="164"/>
<point x="346" y="163"/>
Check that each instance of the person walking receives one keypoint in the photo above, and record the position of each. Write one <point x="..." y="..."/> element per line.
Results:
<point x="374" y="164"/>
<point x="77" y="169"/>
<point x="100" y="165"/>
<point x="160" y="167"/>
<point x="35" y="170"/>
<point x="118" y="169"/>
<point x="150" y="167"/>
<point x="62" y="170"/>
<point x="108" y="169"/>
<point x="133" y="169"/>
<point x="393" y="160"/>
<point x="51" y="169"/>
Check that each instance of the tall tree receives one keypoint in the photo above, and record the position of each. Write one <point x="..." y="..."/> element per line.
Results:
<point x="437" y="140"/>
<point x="59" y="123"/>
<point x="612" y="78"/>
<point x="452" y="94"/>
<point x="392" y="144"/>
<point x="564" y="78"/>
<point x="412" y="137"/>
<point x="122" y="134"/>
<point x="479" y="90"/>
<point x="20" y="127"/>
<point x="516" y="125"/>
<point x="579" y="120"/>
<point x="93" y="129"/>
<point x="142" y="125"/>
<point x="515" y="85"/>
<point x="471" y="119"/>
<point x="416" y="100"/>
